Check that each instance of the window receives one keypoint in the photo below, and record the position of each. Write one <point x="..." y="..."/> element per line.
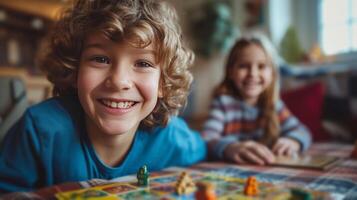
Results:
<point x="338" y="26"/>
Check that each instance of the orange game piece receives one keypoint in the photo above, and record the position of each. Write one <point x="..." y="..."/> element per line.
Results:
<point x="205" y="191"/>
<point x="354" y="152"/>
<point x="251" y="186"/>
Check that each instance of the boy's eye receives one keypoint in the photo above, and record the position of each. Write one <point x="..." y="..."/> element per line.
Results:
<point x="143" y="64"/>
<point x="101" y="59"/>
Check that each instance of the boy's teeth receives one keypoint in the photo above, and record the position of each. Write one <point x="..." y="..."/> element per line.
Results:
<point x="113" y="104"/>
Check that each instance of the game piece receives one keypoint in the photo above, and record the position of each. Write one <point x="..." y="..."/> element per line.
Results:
<point x="224" y="186"/>
<point x="251" y="186"/>
<point x="184" y="184"/>
<point x="300" y="194"/>
<point x="143" y="176"/>
<point x="354" y="151"/>
<point x="205" y="191"/>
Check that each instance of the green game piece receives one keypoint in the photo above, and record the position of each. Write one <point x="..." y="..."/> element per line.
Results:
<point x="299" y="194"/>
<point x="143" y="176"/>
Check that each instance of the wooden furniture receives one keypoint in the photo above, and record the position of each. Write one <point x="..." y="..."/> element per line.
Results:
<point x="38" y="87"/>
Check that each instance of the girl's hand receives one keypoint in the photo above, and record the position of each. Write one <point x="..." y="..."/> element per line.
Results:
<point x="286" y="146"/>
<point x="249" y="152"/>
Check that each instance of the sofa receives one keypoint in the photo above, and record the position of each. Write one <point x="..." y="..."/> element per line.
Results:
<point x="324" y="98"/>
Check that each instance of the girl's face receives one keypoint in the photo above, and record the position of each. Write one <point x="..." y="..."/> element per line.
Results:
<point x="118" y="85"/>
<point x="252" y="73"/>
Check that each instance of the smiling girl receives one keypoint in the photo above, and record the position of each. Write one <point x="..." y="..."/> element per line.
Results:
<point x="248" y="123"/>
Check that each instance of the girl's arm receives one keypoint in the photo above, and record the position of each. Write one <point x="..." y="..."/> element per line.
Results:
<point x="213" y="129"/>
<point x="292" y="128"/>
<point x="214" y="125"/>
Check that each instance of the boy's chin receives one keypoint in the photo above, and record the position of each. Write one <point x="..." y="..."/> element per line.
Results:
<point x="118" y="129"/>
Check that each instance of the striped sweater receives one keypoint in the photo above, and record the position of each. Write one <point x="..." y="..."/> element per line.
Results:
<point x="232" y="120"/>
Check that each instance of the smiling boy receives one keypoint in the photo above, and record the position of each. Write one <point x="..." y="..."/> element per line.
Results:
<point x="118" y="86"/>
<point x="120" y="74"/>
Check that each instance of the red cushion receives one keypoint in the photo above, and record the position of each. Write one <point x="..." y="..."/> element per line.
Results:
<point x="306" y="104"/>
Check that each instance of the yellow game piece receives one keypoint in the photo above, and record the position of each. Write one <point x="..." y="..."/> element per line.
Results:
<point x="184" y="184"/>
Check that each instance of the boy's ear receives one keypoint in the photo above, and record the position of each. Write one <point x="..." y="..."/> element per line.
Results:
<point x="160" y="95"/>
<point x="161" y="90"/>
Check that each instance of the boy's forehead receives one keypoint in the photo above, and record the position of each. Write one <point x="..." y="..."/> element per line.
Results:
<point x="99" y="40"/>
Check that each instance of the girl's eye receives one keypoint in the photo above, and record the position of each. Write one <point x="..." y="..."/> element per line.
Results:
<point x="143" y="64"/>
<point x="243" y="65"/>
<point x="262" y="66"/>
<point x="101" y="59"/>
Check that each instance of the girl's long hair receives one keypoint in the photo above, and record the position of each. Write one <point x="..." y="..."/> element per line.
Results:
<point x="268" y="118"/>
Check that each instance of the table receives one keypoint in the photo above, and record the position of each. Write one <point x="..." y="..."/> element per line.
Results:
<point x="341" y="179"/>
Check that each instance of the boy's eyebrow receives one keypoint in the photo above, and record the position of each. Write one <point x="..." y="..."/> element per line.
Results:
<point x="143" y="51"/>
<point x="93" y="45"/>
<point x="134" y="50"/>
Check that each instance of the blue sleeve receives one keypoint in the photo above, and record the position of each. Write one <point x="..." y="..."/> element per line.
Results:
<point x="291" y="127"/>
<point x="191" y="148"/>
<point x="19" y="155"/>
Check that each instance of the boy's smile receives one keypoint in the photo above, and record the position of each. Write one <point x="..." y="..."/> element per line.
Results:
<point x="118" y="85"/>
<point x="117" y="103"/>
<point x="116" y="106"/>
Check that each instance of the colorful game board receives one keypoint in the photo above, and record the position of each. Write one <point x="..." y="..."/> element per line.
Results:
<point x="162" y="187"/>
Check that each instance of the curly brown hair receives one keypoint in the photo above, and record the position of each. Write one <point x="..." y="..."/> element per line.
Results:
<point x="139" y="22"/>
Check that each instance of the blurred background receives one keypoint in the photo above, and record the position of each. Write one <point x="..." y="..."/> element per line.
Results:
<point x="315" y="41"/>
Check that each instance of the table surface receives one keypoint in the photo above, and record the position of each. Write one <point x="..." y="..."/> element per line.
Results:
<point x="340" y="179"/>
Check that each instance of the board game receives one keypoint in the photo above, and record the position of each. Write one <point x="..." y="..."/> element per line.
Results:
<point x="162" y="187"/>
<point x="318" y="162"/>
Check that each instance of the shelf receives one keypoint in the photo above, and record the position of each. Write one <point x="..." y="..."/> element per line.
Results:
<point x="305" y="71"/>
<point x="46" y="9"/>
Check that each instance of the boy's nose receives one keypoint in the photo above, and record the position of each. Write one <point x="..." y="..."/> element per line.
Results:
<point x="119" y="79"/>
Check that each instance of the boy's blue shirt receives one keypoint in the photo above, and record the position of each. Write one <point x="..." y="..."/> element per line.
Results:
<point x="49" y="146"/>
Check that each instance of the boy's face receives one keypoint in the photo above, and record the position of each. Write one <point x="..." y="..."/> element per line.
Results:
<point x="118" y="85"/>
